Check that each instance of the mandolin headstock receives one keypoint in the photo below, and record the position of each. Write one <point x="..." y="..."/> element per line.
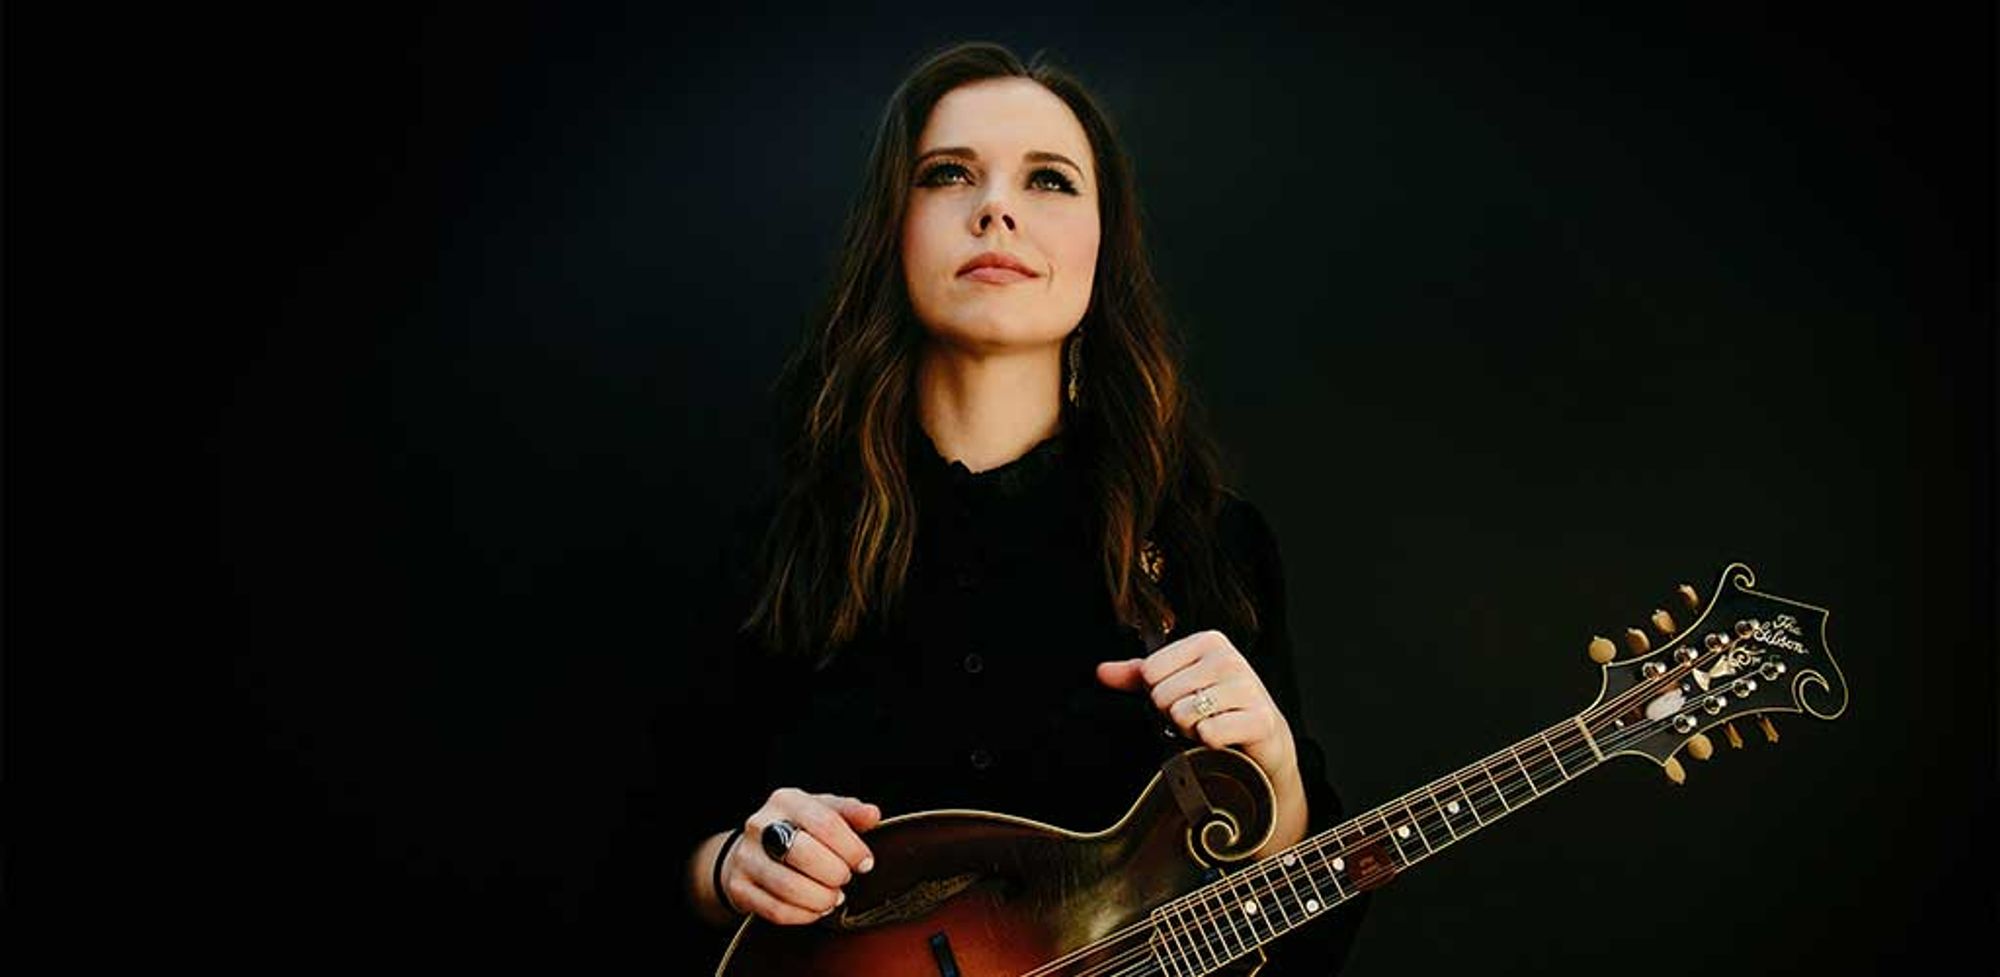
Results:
<point x="1744" y="656"/>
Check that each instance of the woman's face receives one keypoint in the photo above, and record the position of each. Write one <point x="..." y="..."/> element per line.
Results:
<point x="1002" y="165"/>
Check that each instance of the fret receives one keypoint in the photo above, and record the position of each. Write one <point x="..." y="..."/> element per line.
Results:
<point x="1444" y="811"/>
<point x="1400" y="853"/>
<point x="1332" y="874"/>
<point x="1578" y="758"/>
<point x="1497" y="792"/>
<point x="1551" y="780"/>
<point x="1276" y="895"/>
<point x="1318" y="900"/>
<point x="1163" y="950"/>
<point x="1204" y="945"/>
<point x="1441" y="817"/>
<point x="1339" y="865"/>
<point x="1523" y="793"/>
<point x="1286" y="862"/>
<point x="1246" y="907"/>
<point x="1512" y="754"/>
<point x="1469" y="805"/>
<point x="1270" y="899"/>
<point x="1217" y="907"/>
<point x="1341" y="860"/>
<point x="1421" y="838"/>
<point x="1192" y="938"/>
<point x="1188" y="943"/>
<point x="1558" y="757"/>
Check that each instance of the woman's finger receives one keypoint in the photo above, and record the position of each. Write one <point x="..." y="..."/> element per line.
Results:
<point x="830" y="819"/>
<point x="814" y="860"/>
<point x="1179" y="654"/>
<point x="787" y="884"/>
<point x="862" y="817"/>
<point x="1186" y="682"/>
<point x="746" y="895"/>
<point x="1237" y="727"/>
<point x="1226" y="697"/>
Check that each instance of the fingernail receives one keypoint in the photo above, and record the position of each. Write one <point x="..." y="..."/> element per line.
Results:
<point x="841" y="900"/>
<point x="868" y="863"/>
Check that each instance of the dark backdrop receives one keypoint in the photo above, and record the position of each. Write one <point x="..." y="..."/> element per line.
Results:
<point x="453" y="341"/>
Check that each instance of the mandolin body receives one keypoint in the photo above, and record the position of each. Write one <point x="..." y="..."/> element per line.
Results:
<point x="989" y="895"/>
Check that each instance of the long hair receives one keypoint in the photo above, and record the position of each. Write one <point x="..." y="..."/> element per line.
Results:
<point x="838" y="546"/>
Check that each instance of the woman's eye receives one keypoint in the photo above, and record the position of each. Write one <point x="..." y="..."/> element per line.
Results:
<point x="1061" y="182"/>
<point x="930" y="177"/>
<point x="1049" y="179"/>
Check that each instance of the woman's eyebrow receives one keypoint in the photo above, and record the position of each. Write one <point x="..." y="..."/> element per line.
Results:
<point x="1032" y="156"/>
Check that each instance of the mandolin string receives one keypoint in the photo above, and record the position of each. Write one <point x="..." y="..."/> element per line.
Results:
<point x="1214" y="950"/>
<point x="1191" y="903"/>
<point x="1289" y="908"/>
<point x="1205" y="918"/>
<point x="1568" y="738"/>
<point x="1202" y="917"/>
<point x="1562" y="743"/>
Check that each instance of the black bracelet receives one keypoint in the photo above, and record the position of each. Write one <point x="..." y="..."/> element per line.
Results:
<point x="722" y="853"/>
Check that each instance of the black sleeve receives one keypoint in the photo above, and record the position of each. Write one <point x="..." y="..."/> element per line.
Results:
<point x="1320" y="948"/>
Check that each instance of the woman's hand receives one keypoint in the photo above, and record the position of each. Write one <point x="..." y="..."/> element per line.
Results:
<point x="806" y="885"/>
<point x="1212" y="695"/>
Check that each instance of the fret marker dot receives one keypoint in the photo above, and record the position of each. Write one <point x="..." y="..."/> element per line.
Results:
<point x="1312" y="905"/>
<point x="1403" y="832"/>
<point x="1452" y="807"/>
<point x="1250" y="908"/>
<point x="1289" y="859"/>
<point x="1339" y="864"/>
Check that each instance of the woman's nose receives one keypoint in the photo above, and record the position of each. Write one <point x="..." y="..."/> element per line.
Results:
<point x="992" y="208"/>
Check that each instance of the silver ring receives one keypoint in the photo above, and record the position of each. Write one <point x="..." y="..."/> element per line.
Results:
<point x="1204" y="702"/>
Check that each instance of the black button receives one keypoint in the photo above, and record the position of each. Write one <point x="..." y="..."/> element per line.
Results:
<point x="974" y="664"/>
<point x="981" y="759"/>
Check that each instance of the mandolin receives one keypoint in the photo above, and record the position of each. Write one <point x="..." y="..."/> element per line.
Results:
<point x="1171" y="889"/>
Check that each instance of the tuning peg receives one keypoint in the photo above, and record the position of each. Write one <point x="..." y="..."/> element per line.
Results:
<point x="1689" y="597"/>
<point x="1699" y="747"/>
<point x="1663" y="622"/>
<point x="1735" y="738"/>
<point x="1635" y="639"/>
<point x="1601" y="650"/>
<point x="1674" y="771"/>
<point x="1770" y="731"/>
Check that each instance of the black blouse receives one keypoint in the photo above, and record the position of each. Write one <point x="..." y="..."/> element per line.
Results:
<point x="981" y="690"/>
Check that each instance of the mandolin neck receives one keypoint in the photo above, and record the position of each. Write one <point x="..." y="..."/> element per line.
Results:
<point x="1236" y="914"/>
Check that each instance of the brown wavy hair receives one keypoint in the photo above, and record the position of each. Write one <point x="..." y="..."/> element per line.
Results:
<point x="839" y="542"/>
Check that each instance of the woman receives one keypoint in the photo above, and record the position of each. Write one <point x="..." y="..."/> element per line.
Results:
<point x="1001" y="561"/>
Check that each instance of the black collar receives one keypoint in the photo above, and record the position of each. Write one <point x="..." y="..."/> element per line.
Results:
<point x="1019" y="478"/>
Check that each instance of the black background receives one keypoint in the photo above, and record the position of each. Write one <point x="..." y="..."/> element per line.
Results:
<point x="425" y="351"/>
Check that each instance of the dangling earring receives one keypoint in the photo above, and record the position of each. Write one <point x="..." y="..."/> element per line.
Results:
<point x="1075" y="365"/>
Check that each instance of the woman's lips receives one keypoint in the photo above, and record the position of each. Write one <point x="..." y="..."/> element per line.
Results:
<point x="996" y="276"/>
